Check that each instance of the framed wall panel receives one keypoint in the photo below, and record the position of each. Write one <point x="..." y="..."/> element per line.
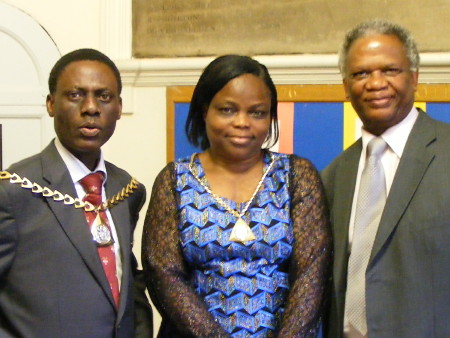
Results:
<point x="315" y="121"/>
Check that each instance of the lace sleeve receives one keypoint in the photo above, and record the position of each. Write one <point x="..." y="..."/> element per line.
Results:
<point x="309" y="268"/>
<point x="167" y="275"/>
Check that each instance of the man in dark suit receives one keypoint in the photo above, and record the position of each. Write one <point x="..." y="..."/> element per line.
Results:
<point x="53" y="266"/>
<point x="406" y="278"/>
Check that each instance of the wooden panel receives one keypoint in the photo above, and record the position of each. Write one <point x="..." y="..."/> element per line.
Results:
<point x="294" y="93"/>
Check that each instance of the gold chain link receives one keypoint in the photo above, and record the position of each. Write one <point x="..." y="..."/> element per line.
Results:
<point x="67" y="199"/>
<point x="217" y="198"/>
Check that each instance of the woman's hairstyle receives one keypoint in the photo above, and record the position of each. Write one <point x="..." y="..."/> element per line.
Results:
<point x="214" y="77"/>
<point x="382" y="27"/>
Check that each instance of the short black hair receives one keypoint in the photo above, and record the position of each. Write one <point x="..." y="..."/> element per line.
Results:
<point x="81" y="55"/>
<point x="214" y="77"/>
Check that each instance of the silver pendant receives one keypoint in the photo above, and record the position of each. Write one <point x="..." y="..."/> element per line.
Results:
<point x="241" y="232"/>
<point x="101" y="234"/>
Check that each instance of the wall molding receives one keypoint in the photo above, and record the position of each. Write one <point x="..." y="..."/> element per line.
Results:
<point x="288" y="69"/>
<point x="37" y="44"/>
<point x="116" y="28"/>
<point x="27" y="100"/>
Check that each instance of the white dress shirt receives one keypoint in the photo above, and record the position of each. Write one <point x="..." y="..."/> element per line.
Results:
<point x="77" y="171"/>
<point x="396" y="138"/>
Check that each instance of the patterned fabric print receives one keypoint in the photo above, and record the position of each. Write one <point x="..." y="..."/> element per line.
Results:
<point x="244" y="286"/>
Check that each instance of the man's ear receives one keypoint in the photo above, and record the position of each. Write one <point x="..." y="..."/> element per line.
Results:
<point x="347" y="95"/>
<point x="49" y="102"/>
<point x="120" y="109"/>
<point x="415" y="76"/>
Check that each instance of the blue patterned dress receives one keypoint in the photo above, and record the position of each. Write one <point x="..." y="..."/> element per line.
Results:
<point x="244" y="285"/>
<point x="206" y="286"/>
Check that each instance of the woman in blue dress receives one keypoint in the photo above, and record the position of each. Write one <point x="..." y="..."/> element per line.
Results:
<point x="236" y="239"/>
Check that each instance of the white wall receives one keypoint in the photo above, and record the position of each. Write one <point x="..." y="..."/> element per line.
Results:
<point x="71" y="24"/>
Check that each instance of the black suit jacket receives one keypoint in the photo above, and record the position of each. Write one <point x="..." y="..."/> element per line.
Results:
<point x="52" y="283"/>
<point x="408" y="275"/>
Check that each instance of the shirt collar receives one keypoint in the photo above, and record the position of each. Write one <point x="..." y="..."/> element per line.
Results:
<point x="76" y="168"/>
<point x="397" y="135"/>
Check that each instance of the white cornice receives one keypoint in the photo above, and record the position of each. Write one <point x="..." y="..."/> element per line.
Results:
<point x="289" y="69"/>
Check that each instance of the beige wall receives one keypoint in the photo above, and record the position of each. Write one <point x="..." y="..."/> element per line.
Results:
<point x="71" y="24"/>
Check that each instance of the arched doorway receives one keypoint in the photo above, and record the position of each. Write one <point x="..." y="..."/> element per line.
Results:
<point x="28" y="54"/>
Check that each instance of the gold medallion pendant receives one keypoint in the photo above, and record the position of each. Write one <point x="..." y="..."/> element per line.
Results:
<point x="101" y="234"/>
<point x="241" y="232"/>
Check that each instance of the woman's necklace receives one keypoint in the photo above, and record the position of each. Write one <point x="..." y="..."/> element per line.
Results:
<point x="241" y="231"/>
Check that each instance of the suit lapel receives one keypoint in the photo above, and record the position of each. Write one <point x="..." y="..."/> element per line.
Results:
<point x="344" y="188"/>
<point x="72" y="220"/>
<point x="415" y="161"/>
<point x="121" y="217"/>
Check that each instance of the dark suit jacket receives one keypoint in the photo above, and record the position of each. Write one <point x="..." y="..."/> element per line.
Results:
<point x="52" y="283"/>
<point x="408" y="275"/>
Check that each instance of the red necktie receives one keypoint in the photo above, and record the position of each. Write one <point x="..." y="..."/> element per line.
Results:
<point x="92" y="184"/>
